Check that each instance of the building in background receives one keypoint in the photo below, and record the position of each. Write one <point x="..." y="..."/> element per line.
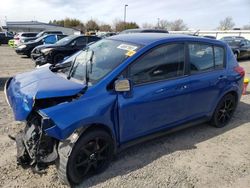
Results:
<point x="35" y="26"/>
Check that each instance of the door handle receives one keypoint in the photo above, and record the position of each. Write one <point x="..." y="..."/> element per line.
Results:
<point x="160" y="91"/>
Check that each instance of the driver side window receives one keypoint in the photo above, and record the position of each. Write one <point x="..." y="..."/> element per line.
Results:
<point x="164" y="62"/>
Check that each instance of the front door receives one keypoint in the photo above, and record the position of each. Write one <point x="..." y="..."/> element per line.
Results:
<point x="159" y="92"/>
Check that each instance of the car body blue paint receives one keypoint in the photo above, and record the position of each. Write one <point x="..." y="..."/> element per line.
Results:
<point x="127" y="117"/>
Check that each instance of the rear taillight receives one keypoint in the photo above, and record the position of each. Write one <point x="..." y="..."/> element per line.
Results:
<point x="240" y="70"/>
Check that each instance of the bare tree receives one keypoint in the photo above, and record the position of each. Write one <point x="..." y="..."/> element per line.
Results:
<point x="92" y="25"/>
<point x="148" y="26"/>
<point x="226" y="24"/>
<point x="178" y="25"/>
<point x="121" y="25"/>
<point x="105" y="27"/>
<point x="163" y="24"/>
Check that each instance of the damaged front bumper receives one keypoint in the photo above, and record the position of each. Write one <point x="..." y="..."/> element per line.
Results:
<point x="34" y="148"/>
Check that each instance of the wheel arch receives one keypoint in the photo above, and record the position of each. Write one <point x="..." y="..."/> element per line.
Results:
<point x="233" y="92"/>
<point x="96" y="126"/>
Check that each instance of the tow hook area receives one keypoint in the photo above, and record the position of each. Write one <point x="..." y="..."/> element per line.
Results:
<point x="34" y="149"/>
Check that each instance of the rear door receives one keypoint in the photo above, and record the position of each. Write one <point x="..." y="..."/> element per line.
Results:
<point x="159" y="92"/>
<point x="207" y="77"/>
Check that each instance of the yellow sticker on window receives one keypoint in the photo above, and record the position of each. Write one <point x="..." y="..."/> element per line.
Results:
<point x="130" y="53"/>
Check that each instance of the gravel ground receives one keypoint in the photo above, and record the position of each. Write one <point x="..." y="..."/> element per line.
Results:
<point x="200" y="156"/>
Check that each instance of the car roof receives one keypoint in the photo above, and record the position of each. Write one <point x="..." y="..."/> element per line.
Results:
<point x="144" y="31"/>
<point x="149" y="38"/>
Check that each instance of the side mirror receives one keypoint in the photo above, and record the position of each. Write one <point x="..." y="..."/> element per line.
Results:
<point x="242" y="44"/>
<point x="122" y="85"/>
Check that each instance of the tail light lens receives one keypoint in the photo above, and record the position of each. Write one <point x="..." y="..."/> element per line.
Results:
<point x="240" y="70"/>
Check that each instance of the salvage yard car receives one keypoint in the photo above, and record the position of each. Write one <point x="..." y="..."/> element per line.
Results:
<point x="55" y="53"/>
<point x="26" y="48"/>
<point x="239" y="45"/>
<point x="120" y="91"/>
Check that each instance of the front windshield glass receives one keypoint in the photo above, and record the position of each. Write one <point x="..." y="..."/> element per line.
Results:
<point x="101" y="58"/>
<point x="65" y="40"/>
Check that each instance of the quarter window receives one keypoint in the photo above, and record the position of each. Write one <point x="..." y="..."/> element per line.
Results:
<point x="218" y="57"/>
<point x="161" y="63"/>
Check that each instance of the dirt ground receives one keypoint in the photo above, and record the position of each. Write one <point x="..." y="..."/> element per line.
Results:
<point x="200" y="156"/>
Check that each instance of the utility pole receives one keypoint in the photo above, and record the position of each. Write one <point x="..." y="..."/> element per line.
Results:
<point x="125" y="7"/>
<point x="158" y="23"/>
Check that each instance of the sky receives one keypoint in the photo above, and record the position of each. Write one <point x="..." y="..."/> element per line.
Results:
<point x="197" y="14"/>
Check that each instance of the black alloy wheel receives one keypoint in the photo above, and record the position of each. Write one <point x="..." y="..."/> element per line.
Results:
<point x="91" y="155"/>
<point x="224" y="111"/>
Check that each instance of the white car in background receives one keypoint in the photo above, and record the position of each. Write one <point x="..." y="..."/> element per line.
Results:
<point x="20" y="37"/>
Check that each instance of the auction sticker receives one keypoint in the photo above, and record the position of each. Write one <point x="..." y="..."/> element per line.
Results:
<point x="127" y="47"/>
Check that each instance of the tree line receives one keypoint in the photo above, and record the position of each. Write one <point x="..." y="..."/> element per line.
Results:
<point x="118" y="25"/>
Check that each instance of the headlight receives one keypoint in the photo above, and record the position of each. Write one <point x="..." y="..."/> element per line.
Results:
<point x="46" y="50"/>
<point x="22" y="46"/>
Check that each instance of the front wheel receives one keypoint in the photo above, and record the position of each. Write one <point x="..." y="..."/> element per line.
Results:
<point x="90" y="155"/>
<point x="224" y="111"/>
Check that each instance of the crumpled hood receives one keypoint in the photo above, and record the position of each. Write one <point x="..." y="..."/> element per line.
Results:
<point x="38" y="84"/>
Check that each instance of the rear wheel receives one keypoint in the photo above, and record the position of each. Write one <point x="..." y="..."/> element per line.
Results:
<point x="90" y="155"/>
<point x="224" y="111"/>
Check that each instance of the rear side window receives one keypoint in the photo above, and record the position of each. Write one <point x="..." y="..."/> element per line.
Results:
<point x="203" y="57"/>
<point x="161" y="63"/>
<point x="218" y="57"/>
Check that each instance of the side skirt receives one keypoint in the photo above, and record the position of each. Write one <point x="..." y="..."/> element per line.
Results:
<point x="161" y="133"/>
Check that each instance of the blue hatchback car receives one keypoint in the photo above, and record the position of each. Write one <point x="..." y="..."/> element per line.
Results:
<point x="117" y="92"/>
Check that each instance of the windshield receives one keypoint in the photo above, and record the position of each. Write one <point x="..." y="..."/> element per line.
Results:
<point x="101" y="58"/>
<point x="65" y="40"/>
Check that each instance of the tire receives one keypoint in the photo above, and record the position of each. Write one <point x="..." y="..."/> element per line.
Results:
<point x="57" y="58"/>
<point x="224" y="111"/>
<point x="91" y="154"/>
